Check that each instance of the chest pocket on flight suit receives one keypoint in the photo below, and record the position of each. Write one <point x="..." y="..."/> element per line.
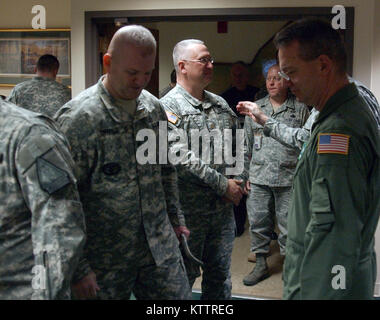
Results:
<point x="322" y="217"/>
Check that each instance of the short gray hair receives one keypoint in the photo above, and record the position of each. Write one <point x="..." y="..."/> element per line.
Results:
<point x="180" y="51"/>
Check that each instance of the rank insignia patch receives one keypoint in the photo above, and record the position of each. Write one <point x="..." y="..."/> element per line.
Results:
<point x="333" y="143"/>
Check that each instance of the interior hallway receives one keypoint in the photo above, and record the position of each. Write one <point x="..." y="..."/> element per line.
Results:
<point x="270" y="288"/>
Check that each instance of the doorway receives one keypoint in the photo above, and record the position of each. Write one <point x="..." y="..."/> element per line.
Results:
<point x="169" y="24"/>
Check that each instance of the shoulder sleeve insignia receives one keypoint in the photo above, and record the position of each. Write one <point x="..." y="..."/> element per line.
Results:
<point x="51" y="177"/>
<point x="333" y="143"/>
<point x="172" y="118"/>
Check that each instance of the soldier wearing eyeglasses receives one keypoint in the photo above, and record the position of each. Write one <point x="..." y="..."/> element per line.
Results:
<point x="335" y="201"/>
<point x="205" y="191"/>
<point x="270" y="168"/>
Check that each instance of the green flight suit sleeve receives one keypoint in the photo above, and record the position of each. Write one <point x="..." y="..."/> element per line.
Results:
<point x="338" y="210"/>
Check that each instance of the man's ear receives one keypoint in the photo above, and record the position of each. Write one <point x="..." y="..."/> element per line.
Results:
<point x="181" y="67"/>
<point x="325" y="64"/>
<point x="107" y="61"/>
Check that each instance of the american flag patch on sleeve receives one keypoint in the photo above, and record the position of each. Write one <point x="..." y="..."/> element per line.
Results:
<point x="333" y="143"/>
<point x="173" y="118"/>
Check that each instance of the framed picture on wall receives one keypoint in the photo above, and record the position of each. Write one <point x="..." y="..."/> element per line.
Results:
<point x="21" y="48"/>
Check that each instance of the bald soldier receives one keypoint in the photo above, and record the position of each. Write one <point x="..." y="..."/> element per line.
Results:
<point x="132" y="209"/>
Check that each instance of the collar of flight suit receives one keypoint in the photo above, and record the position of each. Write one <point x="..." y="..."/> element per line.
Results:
<point x="336" y="100"/>
<point x="208" y="102"/>
<point x="114" y="111"/>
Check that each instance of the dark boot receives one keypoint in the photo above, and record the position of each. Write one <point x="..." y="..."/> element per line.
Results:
<point x="259" y="273"/>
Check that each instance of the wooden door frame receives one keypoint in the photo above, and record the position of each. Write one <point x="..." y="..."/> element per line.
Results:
<point x="191" y="15"/>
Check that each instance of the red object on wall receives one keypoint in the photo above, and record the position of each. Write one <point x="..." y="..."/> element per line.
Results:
<point x="222" y="26"/>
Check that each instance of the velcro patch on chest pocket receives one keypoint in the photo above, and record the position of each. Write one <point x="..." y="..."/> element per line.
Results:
<point x="320" y="197"/>
<point x="322" y="217"/>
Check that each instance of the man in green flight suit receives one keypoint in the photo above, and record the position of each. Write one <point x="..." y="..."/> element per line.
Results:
<point x="336" y="190"/>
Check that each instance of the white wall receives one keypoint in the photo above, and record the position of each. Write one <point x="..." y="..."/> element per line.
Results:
<point x="364" y="10"/>
<point x="375" y="76"/>
<point x="241" y="42"/>
<point x="16" y="14"/>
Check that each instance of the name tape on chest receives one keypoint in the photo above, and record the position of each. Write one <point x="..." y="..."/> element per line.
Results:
<point x="333" y="143"/>
<point x="173" y="118"/>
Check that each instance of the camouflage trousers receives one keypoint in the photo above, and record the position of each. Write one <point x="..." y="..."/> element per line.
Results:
<point x="264" y="205"/>
<point x="211" y="240"/>
<point x="147" y="282"/>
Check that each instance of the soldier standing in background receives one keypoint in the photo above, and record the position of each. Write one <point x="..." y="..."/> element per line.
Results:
<point x="41" y="218"/>
<point x="42" y="94"/>
<point x="271" y="168"/>
<point x="240" y="90"/>
<point x="203" y="186"/>
<point x="171" y="85"/>
<point x="130" y="208"/>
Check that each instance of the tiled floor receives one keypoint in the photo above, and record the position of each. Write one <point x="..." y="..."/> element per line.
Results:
<point x="270" y="288"/>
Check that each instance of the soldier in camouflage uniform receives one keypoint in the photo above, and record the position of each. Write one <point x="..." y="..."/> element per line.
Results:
<point x="130" y="207"/>
<point x="271" y="168"/>
<point x="204" y="187"/>
<point x="41" y="218"/>
<point x="296" y="137"/>
<point x="42" y="93"/>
